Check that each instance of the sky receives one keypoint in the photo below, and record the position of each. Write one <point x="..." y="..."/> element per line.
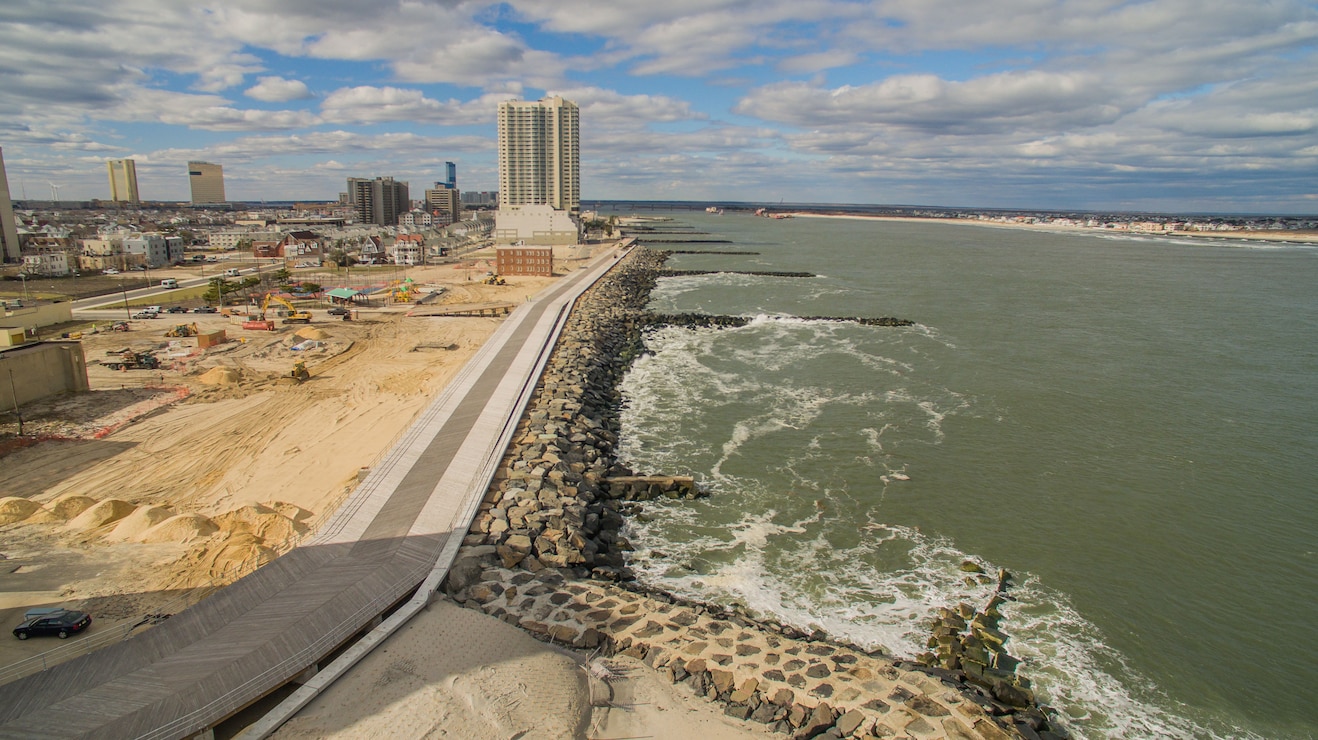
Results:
<point x="1163" y="105"/>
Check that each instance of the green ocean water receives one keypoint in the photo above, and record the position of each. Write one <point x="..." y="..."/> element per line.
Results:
<point x="1128" y="425"/>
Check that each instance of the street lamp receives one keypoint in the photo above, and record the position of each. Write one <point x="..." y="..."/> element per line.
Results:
<point x="13" y="392"/>
<point x="23" y="276"/>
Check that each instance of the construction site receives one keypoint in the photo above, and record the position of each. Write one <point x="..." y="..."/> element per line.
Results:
<point x="208" y="445"/>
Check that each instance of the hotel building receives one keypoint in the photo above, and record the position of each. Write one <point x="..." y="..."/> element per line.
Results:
<point x="207" y="181"/>
<point x="123" y="181"/>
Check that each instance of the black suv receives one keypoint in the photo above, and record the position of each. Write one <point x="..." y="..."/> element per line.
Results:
<point x="60" y="623"/>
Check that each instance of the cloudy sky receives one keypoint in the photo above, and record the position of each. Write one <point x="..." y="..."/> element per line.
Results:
<point x="1204" y="105"/>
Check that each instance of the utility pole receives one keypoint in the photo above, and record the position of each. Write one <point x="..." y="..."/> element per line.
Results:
<point x="127" y="311"/>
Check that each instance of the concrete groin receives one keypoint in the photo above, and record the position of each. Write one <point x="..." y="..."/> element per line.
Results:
<point x="547" y="552"/>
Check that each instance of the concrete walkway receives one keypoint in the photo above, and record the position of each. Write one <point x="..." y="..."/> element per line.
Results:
<point x="404" y="520"/>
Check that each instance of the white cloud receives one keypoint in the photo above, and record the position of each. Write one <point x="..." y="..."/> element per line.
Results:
<point x="278" y="90"/>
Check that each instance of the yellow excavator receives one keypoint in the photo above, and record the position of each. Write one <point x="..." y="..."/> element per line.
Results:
<point x="184" y="330"/>
<point x="295" y="315"/>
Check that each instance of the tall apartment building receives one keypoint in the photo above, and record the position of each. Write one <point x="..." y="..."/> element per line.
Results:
<point x="539" y="154"/>
<point x="380" y="201"/>
<point x="207" y="182"/>
<point x="123" y="180"/>
<point x="9" y="251"/>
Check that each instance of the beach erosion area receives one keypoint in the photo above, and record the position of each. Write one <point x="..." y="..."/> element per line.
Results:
<point x="540" y="633"/>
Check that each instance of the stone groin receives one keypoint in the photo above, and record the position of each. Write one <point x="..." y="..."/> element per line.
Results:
<point x="650" y="240"/>
<point x="703" y="320"/>
<point x="759" y="273"/>
<point x="547" y="552"/>
<point x="711" y="251"/>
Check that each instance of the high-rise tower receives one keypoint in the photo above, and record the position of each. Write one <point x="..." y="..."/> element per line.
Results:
<point x="539" y="154"/>
<point x="8" y="226"/>
<point x="380" y="201"/>
<point x="123" y="180"/>
<point x="207" y="181"/>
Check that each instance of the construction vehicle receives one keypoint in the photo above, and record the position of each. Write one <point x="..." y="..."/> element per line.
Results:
<point x="297" y="375"/>
<point x="294" y="314"/>
<point x="494" y="280"/>
<point x="184" y="330"/>
<point x="129" y="360"/>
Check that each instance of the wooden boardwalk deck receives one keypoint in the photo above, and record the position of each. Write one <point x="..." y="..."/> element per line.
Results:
<point x="253" y="636"/>
<point x="464" y="309"/>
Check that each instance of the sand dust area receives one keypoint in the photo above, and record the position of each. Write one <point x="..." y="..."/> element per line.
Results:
<point x="158" y="485"/>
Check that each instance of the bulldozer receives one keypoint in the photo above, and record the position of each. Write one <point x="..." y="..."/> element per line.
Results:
<point x="184" y="330"/>
<point x="298" y="375"/>
<point x="494" y="280"/>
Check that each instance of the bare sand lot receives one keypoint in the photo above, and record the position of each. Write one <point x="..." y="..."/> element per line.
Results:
<point x="159" y="485"/>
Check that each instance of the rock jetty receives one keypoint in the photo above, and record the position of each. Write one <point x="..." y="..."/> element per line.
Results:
<point x="546" y="552"/>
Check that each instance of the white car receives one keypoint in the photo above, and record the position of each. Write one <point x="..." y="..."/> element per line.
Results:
<point x="109" y="271"/>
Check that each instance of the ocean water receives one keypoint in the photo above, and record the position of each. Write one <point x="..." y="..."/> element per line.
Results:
<point x="1128" y="425"/>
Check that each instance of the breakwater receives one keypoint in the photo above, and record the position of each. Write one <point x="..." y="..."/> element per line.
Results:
<point x="711" y="251"/>
<point x="651" y="240"/>
<point x="760" y="273"/>
<point x="547" y="552"/>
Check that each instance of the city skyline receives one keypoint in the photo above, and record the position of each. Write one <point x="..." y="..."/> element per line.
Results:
<point x="1164" y="105"/>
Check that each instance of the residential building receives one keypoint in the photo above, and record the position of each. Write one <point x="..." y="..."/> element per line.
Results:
<point x="207" y="181"/>
<point x="539" y="154"/>
<point x="46" y="262"/>
<point x="525" y="261"/>
<point x="123" y="181"/>
<point x="380" y="201"/>
<point x="9" y="249"/>
<point x="409" y="249"/>
<point x="147" y="249"/>
<point x="416" y="218"/>
<point x="444" y="204"/>
<point x="98" y="254"/>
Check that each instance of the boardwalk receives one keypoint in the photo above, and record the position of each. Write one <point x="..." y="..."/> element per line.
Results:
<point x="410" y="513"/>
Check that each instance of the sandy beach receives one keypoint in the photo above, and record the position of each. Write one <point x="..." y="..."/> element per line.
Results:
<point x="1295" y="237"/>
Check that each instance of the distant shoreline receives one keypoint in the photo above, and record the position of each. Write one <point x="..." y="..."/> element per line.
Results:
<point x="1291" y="237"/>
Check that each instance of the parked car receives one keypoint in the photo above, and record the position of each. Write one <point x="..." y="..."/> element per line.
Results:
<point x="337" y="311"/>
<point x="176" y="309"/>
<point x="146" y="315"/>
<point x="109" y="271"/>
<point x="205" y="309"/>
<point x="60" y="623"/>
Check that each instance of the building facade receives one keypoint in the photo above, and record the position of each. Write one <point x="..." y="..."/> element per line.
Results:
<point x="444" y="204"/>
<point x="380" y="201"/>
<point x="207" y="181"/>
<point x="9" y="248"/>
<point x="123" y="181"/>
<point x="525" y="261"/>
<point x="539" y="154"/>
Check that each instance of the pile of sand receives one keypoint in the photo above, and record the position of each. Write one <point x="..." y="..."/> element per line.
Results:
<point x="105" y="512"/>
<point x="143" y="518"/>
<point x="220" y="376"/>
<point x="62" y="509"/>
<point x="311" y="332"/>
<point x="292" y="511"/>
<point x="260" y="521"/>
<point x="180" y="528"/>
<point x="16" y="509"/>
<point x="241" y="552"/>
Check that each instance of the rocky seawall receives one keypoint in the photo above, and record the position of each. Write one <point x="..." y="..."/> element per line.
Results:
<point x="547" y="552"/>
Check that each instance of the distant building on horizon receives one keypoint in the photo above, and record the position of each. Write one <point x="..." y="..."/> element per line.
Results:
<point x="380" y="201"/>
<point x="123" y="181"/>
<point x="539" y="154"/>
<point x="207" y="181"/>
<point x="9" y="247"/>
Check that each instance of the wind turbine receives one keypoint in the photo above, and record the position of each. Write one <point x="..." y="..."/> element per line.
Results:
<point x="54" y="192"/>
